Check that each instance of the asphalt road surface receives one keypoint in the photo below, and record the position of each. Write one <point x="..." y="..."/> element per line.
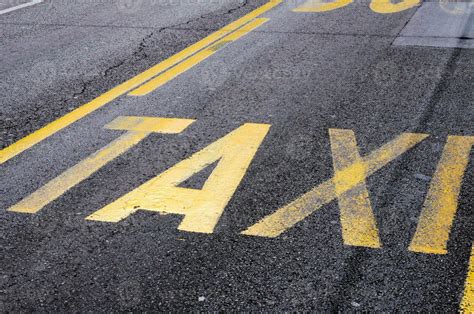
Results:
<point x="213" y="155"/>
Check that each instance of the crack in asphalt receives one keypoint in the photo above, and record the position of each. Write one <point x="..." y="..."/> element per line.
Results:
<point x="140" y="52"/>
<point x="84" y="90"/>
<point x="204" y="16"/>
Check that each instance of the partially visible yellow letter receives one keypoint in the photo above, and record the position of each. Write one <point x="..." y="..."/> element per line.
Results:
<point x="347" y="185"/>
<point x="319" y="6"/>
<point x="386" y="6"/>
<point x="201" y="208"/>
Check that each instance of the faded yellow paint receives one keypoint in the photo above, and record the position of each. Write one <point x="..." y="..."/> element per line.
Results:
<point x="36" y="137"/>
<point x="387" y="6"/>
<point x="195" y="59"/>
<point x="357" y="219"/>
<point x="320" y="6"/>
<point x="467" y="303"/>
<point x="201" y="208"/>
<point x="286" y="217"/>
<point x="439" y="208"/>
<point x="138" y="128"/>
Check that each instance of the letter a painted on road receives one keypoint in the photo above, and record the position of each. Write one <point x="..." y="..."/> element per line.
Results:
<point x="201" y="208"/>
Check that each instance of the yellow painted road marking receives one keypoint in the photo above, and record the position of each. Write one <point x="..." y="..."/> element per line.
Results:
<point x="195" y="59"/>
<point x="138" y="129"/>
<point x="379" y="6"/>
<point x="201" y="208"/>
<point x="286" y="217"/>
<point x="439" y="209"/>
<point x="357" y="219"/>
<point x="319" y="6"/>
<point x="34" y="138"/>
<point x="467" y="303"/>
<point x="387" y="6"/>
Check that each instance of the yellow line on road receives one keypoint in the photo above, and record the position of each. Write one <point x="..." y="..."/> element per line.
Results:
<point x="467" y="303"/>
<point x="439" y="209"/>
<point x="138" y="129"/>
<point x="195" y="59"/>
<point x="77" y="114"/>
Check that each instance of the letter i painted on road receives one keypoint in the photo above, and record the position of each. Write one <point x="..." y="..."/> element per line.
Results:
<point x="439" y="209"/>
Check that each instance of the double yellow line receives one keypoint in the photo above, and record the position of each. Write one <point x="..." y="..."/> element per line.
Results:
<point x="195" y="59"/>
<point x="151" y="78"/>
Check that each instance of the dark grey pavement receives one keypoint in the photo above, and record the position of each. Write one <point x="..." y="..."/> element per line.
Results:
<point x="302" y="73"/>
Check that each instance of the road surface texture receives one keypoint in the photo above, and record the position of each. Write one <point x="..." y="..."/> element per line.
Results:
<point x="213" y="155"/>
